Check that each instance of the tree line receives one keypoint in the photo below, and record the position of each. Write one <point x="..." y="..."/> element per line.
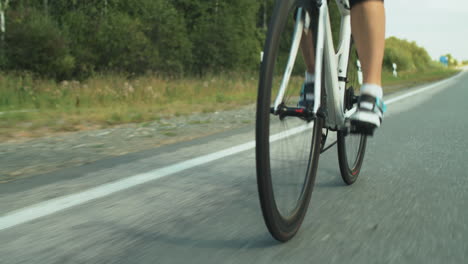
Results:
<point x="74" y="39"/>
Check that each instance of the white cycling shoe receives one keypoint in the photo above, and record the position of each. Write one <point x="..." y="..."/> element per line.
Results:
<point x="368" y="115"/>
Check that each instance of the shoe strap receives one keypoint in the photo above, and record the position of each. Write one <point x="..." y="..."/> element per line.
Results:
<point x="377" y="103"/>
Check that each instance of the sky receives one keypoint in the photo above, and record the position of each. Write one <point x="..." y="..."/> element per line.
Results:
<point x="440" y="26"/>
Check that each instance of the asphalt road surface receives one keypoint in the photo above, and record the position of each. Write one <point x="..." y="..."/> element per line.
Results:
<point x="184" y="204"/>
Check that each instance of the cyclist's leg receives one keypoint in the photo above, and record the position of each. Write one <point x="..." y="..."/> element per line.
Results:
<point x="368" y="28"/>
<point x="308" y="53"/>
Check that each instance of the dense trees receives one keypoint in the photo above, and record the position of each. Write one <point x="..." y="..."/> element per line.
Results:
<point x="65" y="39"/>
<point x="72" y="39"/>
<point x="407" y="55"/>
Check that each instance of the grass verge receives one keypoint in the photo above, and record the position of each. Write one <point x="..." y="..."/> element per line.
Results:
<point x="109" y="100"/>
<point x="411" y="79"/>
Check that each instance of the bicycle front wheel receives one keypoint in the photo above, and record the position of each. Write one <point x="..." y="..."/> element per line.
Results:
<point x="351" y="147"/>
<point x="287" y="146"/>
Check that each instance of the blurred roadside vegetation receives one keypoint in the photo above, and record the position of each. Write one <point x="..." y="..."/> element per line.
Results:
<point x="414" y="65"/>
<point x="71" y="39"/>
<point x="68" y="65"/>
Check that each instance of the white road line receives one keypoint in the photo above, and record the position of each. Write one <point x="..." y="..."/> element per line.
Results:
<point x="432" y="86"/>
<point x="61" y="203"/>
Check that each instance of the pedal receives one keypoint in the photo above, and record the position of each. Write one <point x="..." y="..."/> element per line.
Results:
<point x="283" y="111"/>
<point x="362" y="128"/>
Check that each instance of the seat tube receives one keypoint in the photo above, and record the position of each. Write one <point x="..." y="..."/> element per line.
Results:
<point x="323" y="9"/>
<point x="334" y="93"/>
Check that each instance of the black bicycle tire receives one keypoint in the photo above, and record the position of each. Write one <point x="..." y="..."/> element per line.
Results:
<point x="281" y="228"/>
<point x="348" y="174"/>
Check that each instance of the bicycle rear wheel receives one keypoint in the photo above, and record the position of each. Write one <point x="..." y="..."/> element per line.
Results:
<point x="351" y="147"/>
<point x="287" y="147"/>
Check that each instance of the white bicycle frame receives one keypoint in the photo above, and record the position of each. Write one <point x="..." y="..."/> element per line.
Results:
<point x="334" y="64"/>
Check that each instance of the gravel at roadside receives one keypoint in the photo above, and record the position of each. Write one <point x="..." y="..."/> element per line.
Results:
<point x="42" y="155"/>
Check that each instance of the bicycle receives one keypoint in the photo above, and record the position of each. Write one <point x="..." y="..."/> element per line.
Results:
<point x="290" y="139"/>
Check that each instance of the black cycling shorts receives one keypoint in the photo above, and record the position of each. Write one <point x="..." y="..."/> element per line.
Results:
<point x="353" y="2"/>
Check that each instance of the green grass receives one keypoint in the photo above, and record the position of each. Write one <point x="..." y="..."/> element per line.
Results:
<point x="109" y="100"/>
<point x="408" y="79"/>
<point x="170" y="133"/>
